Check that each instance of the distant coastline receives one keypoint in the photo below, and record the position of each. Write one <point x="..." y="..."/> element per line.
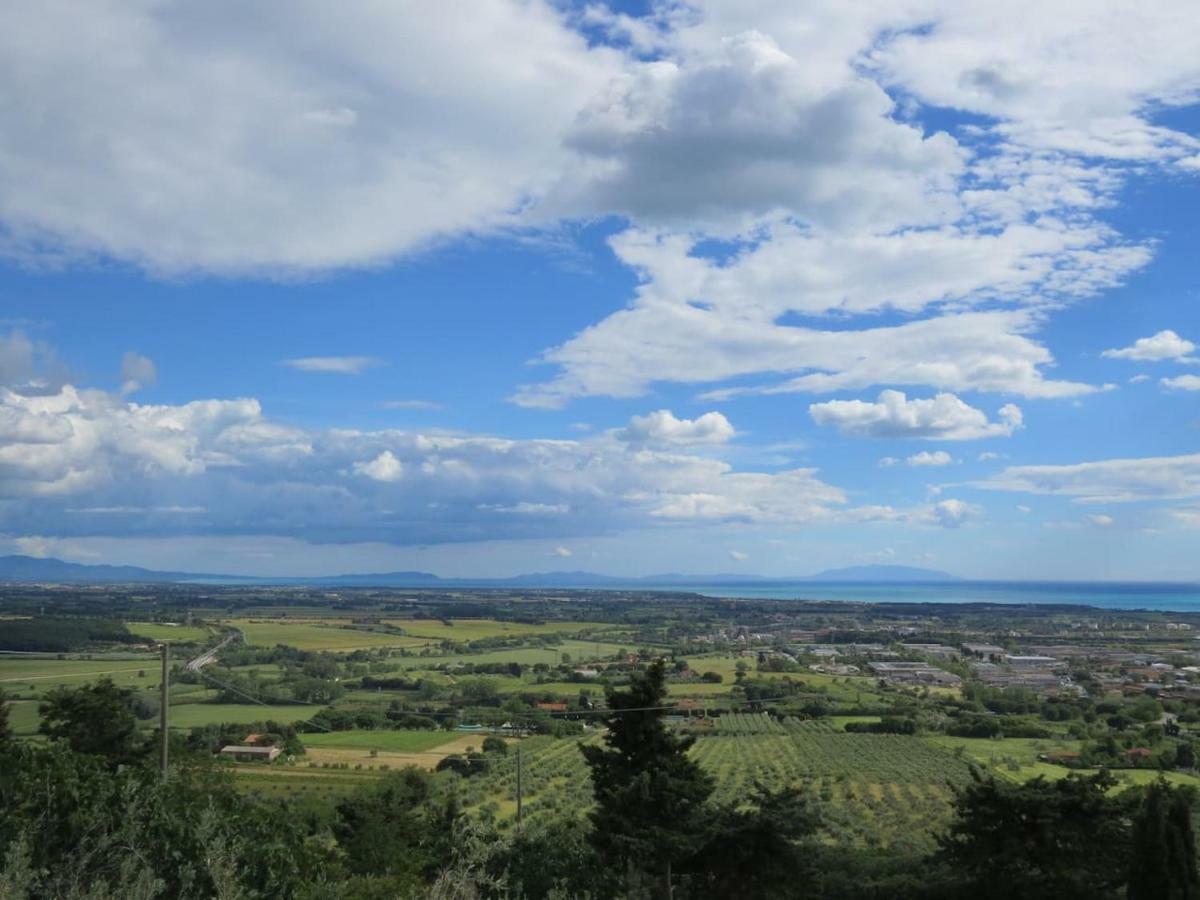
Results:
<point x="864" y="584"/>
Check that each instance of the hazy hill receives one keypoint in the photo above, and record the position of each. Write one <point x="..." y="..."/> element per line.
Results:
<point x="29" y="568"/>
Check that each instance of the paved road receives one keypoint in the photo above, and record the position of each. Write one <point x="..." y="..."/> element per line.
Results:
<point x="209" y="655"/>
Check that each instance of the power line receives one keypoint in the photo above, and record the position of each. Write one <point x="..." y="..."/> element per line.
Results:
<point x="253" y="699"/>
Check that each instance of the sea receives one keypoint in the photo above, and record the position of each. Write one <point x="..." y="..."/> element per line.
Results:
<point x="1163" y="596"/>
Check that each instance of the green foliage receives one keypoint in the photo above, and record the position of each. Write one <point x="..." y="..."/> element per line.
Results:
<point x="5" y="728"/>
<point x="394" y="828"/>
<point x="758" y="851"/>
<point x="886" y="725"/>
<point x="96" y="719"/>
<point x="494" y="746"/>
<point x="1066" y="840"/>
<point x="70" y="826"/>
<point x="649" y="792"/>
<point x="55" y="635"/>
<point x="1163" y="859"/>
<point x="553" y="859"/>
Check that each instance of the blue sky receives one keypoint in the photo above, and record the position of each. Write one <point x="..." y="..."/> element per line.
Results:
<point x="632" y="289"/>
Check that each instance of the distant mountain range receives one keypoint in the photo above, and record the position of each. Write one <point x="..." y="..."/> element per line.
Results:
<point x="34" y="569"/>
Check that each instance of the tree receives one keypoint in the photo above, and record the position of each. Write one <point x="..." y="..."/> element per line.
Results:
<point x="1067" y="840"/>
<point x="494" y="745"/>
<point x="1163" y="862"/>
<point x="97" y="719"/>
<point x="648" y="791"/>
<point x="1185" y="756"/>
<point x="5" y="728"/>
<point x="88" y="830"/>
<point x="394" y="828"/>
<point x="761" y="851"/>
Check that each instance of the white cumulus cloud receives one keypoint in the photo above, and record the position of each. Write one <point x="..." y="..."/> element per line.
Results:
<point x="663" y="428"/>
<point x="68" y="454"/>
<point x="942" y="417"/>
<point x="1164" y="345"/>
<point x="925" y="458"/>
<point x="384" y="467"/>
<point x="1182" y="383"/>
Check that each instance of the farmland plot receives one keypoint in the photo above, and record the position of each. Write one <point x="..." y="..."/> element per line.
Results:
<point x="873" y="790"/>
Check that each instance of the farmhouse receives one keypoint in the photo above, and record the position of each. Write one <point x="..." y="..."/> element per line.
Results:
<point x="251" y="753"/>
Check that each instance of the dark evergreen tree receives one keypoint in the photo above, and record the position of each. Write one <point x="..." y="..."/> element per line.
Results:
<point x="1067" y="840"/>
<point x="395" y="829"/>
<point x="97" y="719"/>
<point x="649" y="792"/>
<point x="763" y="849"/>
<point x="5" y="728"/>
<point x="1163" y="863"/>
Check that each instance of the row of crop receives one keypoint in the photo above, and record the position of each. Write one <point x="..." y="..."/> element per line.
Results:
<point x="875" y="757"/>
<point x="871" y="790"/>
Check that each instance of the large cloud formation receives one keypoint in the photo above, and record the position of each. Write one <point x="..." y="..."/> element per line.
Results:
<point x="944" y="417"/>
<point x="280" y="137"/>
<point x="176" y="138"/>
<point x="83" y="462"/>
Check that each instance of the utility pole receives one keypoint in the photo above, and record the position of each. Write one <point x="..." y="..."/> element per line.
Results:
<point x="162" y="707"/>
<point x="518" y="788"/>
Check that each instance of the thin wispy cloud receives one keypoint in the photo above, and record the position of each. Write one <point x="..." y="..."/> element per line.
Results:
<point x="335" y="365"/>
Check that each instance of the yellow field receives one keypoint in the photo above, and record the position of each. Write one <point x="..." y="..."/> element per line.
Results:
<point x="424" y="759"/>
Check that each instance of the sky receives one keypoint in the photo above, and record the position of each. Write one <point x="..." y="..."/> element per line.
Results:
<point x="490" y="287"/>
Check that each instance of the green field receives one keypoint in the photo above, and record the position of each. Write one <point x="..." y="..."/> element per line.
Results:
<point x="300" y="781"/>
<point x="194" y="715"/>
<point x="1017" y="759"/>
<point x="558" y="688"/>
<point x="844" y="689"/>
<point x="577" y="651"/>
<point x="23" y="717"/>
<point x="464" y="630"/>
<point x="331" y="635"/>
<point x="29" y="676"/>
<point x="390" y="741"/>
<point x="156" y="631"/>
<point x="872" y="790"/>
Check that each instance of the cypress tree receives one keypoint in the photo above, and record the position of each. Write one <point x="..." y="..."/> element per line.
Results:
<point x="1163" y="865"/>
<point x="649" y="792"/>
